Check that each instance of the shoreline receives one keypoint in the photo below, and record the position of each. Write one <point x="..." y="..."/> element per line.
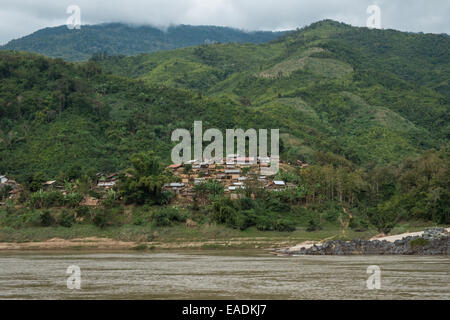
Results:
<point x="314" y="245"/>
<point x="281" y="247"/>
<point x="95" y="243"/>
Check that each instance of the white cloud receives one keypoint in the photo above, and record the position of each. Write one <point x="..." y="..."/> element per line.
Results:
<point x="21" y="17"/>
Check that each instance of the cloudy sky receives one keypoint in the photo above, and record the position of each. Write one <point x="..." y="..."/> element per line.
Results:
<point x="21" y="17"/>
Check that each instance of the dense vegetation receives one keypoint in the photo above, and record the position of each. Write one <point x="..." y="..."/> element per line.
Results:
<point x="121" y="39"/>
<point x="367" y="109"/>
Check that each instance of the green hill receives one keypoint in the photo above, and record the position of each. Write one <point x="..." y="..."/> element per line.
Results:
<point x="328" y="87"/>
<point x="370" y="95"/>
<point x="367" y="109"/>
<point x="121" y="39"/>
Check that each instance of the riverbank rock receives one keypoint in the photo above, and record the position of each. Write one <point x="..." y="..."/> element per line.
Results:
<point x="437" y="244"/>
<point x="434" y="233"/>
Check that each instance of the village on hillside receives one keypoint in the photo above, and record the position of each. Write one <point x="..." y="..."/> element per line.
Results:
<point x="234" y="172"/>
<point x="103" y="183"/>
<point x="11" y="186"/>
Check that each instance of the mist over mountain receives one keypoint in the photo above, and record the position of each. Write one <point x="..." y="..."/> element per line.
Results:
<point x="124" y="39"/>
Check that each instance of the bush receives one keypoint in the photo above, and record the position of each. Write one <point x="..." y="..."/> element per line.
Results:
<point x="313" y="225"/>
<point x="419" y="242"/>
<point x="66" y="219"/>
<point x="46" y="199"/>
<point x="72" y="200"/>
<point x="277" y="206"/>
<point x="245" y="219"/>
<point x="166" y="216"/>
<point x="36" y="182"/>
<point x="284" y="225"/>
<point x="166" y="197"/>
<point x="141" y="246"/>
<point x="4" y="191"/>
<point x="265" y="224"/>
<point x="331" y="215"/>
<point x="101" y="218"/>
<point x="358" y="225"/>
<point x="138" y="218"/>
<point x="271" y="223"/>
<point x="109" y="203"/>
<point x="246" y="203"/>
<point x="385" y="216"/>
<point x="47" y="219"/>
<point x="224" y="212"/>
<point x="31" y="218"/>
<point x="83" y="211"/>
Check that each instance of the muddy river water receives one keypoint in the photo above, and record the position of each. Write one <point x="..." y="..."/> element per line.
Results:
<point x="218" y="274"/>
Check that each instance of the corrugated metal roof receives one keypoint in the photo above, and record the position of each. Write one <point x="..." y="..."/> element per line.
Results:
<point x="232" y="171"/>
<point x="106" y="184"/>
<point x="176" y="185"/>
<point x="232" y="188"/>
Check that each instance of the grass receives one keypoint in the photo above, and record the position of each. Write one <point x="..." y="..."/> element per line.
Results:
<point x="328" y="68"/>
<point x="124" y="233"/>
<point x="411" y="226"/>
<point x="214" y="236"/>
<point x="176" y="233"/>
<point x="419" y="242"/>
<point x="140" y="247"/>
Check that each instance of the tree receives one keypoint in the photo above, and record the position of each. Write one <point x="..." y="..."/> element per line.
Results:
<point x="36" y="182"/>
<point x="386" y="215"/>
<point x="211" y="188"/>
<point x="145" y="181"/>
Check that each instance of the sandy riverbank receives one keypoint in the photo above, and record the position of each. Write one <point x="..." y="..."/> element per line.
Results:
<point x="400" y="236"/>
<point x="99" y="243"/>
<point x="111" y="244"/>
<point x="58" y="243"/>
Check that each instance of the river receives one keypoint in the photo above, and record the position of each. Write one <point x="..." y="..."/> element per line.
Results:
<point x="219" y="274"/>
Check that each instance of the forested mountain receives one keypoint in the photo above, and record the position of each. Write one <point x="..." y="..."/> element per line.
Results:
<point x="365" y="108"/>
<point x="372" y="96"/>
<point x="122" y="39"/>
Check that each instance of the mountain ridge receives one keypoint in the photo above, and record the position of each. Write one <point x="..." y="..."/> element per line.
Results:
<point x="329" y="87"/>
<point x="387" y="72"/>
<point x="119" y="38"/>
<point x="367" y="110"/>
